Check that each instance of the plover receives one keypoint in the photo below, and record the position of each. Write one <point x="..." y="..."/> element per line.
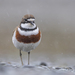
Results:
<point x="27" y="35"/>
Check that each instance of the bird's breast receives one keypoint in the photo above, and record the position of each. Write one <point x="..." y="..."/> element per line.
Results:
<point x="28" y="39"/>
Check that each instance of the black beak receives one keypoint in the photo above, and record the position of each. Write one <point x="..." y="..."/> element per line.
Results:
<point x="32" y="22"/>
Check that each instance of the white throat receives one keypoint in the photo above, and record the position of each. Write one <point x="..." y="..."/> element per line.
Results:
<point x="28" y="26"/>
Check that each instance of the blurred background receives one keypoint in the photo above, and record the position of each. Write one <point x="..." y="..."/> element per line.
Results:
<point x="56" y="20"/>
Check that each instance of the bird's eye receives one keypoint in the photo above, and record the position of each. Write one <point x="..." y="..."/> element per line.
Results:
<point x="25" y="19"/>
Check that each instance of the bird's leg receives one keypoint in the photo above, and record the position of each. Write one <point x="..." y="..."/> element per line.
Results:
<point x="28" y="57"/>
<point x="21" y="57"/>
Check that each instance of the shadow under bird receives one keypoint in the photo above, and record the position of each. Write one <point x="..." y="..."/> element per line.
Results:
<point x="27" y="35"/>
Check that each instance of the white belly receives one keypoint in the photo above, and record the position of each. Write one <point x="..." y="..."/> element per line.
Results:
<point x="24" y="46"/>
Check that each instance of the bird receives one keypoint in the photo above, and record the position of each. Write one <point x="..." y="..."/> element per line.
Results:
<point x="26" y="36"/>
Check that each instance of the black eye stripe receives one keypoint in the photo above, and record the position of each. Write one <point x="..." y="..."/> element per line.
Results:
<point x="30" y="22"/>
<point x="26" y="21"/>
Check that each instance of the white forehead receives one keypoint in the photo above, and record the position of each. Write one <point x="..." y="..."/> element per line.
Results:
<point x="31" y="19"/>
